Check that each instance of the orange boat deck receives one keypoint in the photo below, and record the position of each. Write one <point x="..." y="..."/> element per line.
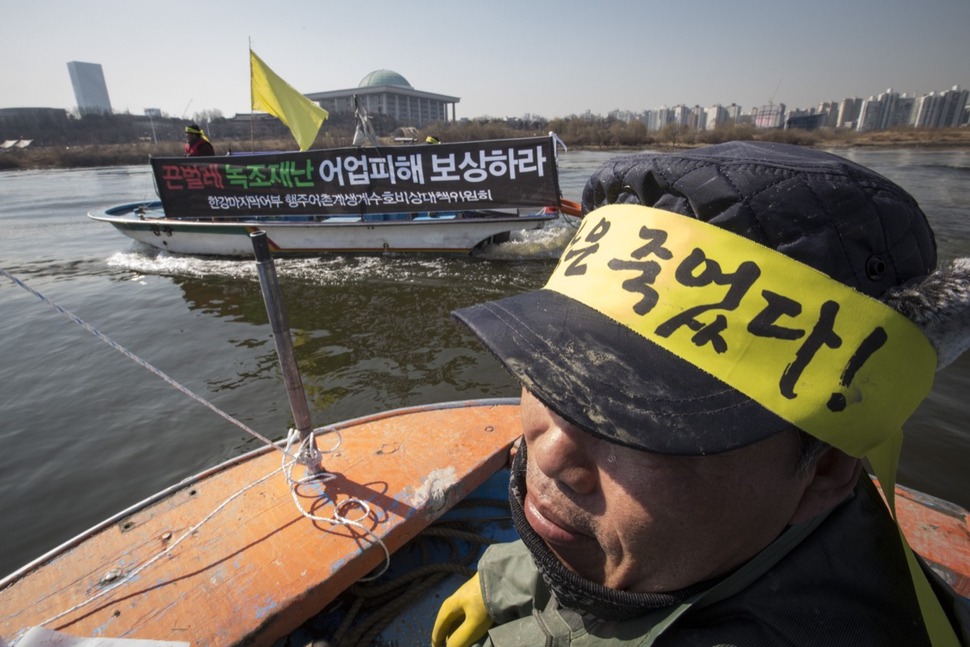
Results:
<point x="258" y="569"/>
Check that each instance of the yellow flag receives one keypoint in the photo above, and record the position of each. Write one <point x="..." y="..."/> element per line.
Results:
<point x="277" y="97"/>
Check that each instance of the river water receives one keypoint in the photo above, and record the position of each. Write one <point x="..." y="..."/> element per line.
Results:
<point x="85" y="432"/>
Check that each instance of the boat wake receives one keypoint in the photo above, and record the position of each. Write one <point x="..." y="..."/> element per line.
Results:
<point x="546" y="243"/>
<point x="143" y="259"/>
<point x="337" y="269"/>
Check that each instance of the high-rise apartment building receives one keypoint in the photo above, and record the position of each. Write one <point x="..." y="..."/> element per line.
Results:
<point x="769" y="116"/>
<point x="717" y="115"/>
<point x="849" y="109"/>
<point x="90" y="91"/>
<point x="954" y="105"/>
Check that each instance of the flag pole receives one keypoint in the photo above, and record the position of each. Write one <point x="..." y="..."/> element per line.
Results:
<point x="252" y="117"/>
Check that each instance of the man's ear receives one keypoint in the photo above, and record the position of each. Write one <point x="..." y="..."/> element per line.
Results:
<point x="831" y="479"/>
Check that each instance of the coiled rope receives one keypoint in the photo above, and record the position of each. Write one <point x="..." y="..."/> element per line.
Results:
<point x="389" y="599"/>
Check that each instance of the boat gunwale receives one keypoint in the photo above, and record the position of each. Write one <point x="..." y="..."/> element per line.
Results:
<point x="123" y="214"/>
<point x="80" y="538"/>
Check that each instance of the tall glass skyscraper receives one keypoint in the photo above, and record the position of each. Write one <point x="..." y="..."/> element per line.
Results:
<point x="90" y="91"/>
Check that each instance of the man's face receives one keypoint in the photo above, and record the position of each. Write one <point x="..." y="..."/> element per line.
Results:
<point x="637" y="521"/>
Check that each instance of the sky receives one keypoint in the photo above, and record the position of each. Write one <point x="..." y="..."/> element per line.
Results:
<point x="503" y="58"/>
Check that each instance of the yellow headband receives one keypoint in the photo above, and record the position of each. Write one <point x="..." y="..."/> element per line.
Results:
<point x="833" y="361"/>
<point x="193" y="131"/>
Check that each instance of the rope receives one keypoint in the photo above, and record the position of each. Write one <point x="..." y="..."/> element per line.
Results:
<point x="129" y="575"/>
<point x="451" y="533"/>
<point x="387" y="597"/>
<point x="127" y="353"/>
<point x="447" y="568"/>
<point x="339" y="516"/>
<point x="340" y="510"/>
<point x="366" y="633"/>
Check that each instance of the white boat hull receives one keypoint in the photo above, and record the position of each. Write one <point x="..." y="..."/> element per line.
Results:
<point x="146" y="223"/>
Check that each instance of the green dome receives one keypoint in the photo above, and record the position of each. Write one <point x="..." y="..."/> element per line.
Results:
<point x="383" y="77"/>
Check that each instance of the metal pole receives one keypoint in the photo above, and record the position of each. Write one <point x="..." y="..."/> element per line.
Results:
<point x="269" y="283"/>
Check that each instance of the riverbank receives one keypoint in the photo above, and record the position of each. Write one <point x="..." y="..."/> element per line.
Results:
<point x="95" y="156"/>
<point x="92" y="156"/>
<point x="908" y="138"/>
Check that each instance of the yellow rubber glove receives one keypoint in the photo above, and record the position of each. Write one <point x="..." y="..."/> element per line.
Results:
<point x="462" y="619"/>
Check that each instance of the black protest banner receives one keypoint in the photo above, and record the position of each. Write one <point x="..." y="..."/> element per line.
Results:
<point x="394" y="179"/>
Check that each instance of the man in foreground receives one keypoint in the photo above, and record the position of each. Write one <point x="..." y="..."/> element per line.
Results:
<point x="702" y="375"/>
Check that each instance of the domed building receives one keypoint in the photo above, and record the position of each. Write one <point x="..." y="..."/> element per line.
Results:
<point x="386" y="92"/>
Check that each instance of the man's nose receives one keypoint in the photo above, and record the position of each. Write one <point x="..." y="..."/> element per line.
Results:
<point x="564" y="453"/>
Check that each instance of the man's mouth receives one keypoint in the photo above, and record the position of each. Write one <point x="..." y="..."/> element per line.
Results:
<point x="550" y="526"/>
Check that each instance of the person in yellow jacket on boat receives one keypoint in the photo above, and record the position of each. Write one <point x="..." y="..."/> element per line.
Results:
<point x="731" y="331"/>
